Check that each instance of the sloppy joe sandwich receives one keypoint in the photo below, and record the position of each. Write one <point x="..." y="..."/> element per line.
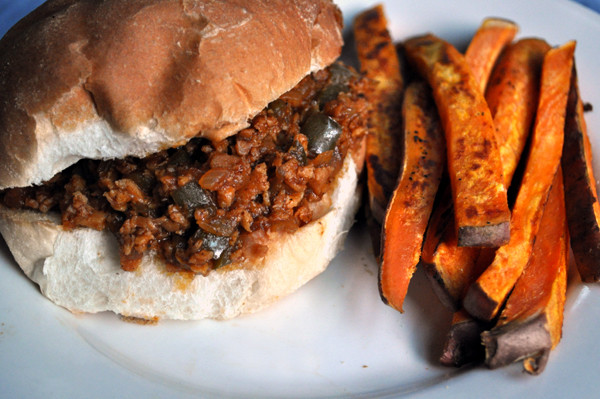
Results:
<point x="177" y="159"/>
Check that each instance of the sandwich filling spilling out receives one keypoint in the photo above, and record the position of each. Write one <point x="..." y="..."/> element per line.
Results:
<point x="207" y="204"/>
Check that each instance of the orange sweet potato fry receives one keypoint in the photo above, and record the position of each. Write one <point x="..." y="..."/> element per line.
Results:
<point x="487" y="294"/>
<point x="486" y="45"/>
<point x="379" y="61"/>
<point x="449" y="266"/>
<point x="583" y="209"/>
<point x="512" y="95"/>
<point x="480" y="203"/>
<point x="412" y="201"/>
<point x="531" y="323"/>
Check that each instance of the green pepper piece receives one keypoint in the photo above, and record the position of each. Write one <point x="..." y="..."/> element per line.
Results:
<point x="330" y="93"/>
<point x="297" y="151"/>
<point x="192" y="196"/>
<point x="180" y="157"/>
<point x="210" y="242"/>
<point x="322" y="133"/>
<point x="340" y="74"/>
<point x="145" y="181"/>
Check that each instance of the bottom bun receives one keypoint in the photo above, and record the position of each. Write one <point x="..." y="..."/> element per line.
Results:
<point x="79" y="269"/>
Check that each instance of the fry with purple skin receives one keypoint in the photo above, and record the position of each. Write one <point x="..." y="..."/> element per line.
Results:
<point x="530" y="325"/>
<point x="583" y="209"/>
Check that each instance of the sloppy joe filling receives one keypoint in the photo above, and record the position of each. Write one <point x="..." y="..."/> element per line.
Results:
<point x="207" y="204"/>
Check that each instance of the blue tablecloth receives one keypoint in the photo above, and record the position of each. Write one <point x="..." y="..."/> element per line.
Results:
<point x="593" y="4"/>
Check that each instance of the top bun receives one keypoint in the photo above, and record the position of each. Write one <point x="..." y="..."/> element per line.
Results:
<point x="88" y="79"/>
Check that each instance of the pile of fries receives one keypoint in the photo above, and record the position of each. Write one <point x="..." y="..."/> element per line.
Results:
<point x="479" y="171"/>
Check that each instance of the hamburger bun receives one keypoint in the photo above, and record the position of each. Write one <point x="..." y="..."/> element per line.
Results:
<point x="86" y="80"/>
<point x="80" y="269"/>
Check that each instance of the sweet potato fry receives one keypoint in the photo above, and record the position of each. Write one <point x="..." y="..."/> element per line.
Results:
<point x="448" y="266"/>
<point x="487" y="294"/>
<point x="412" y="201"/>
<point x="583" y="209"/>
<point x="486" y="45"/>
<point x="512" y="95"/>
<point x="531" y="323"/>
<point x="480" y="202"/>
<point x="379" y="61"/>
<point x="463" y="343"/>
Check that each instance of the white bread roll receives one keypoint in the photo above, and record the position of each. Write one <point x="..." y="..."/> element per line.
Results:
<point x="88" y="79"/>
<point x="80" y="269"/>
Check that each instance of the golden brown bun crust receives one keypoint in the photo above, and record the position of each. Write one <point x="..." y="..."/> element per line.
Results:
<point x="88" y="79"/>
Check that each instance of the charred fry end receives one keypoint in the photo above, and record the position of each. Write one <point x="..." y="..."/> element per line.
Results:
<point x="493" y="235"/>
<point x="510" y="343"/>
<point x="479" y="304"/>
<point x="463" y="344"/>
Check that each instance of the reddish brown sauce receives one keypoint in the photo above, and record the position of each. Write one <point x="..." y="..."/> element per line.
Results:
<point x="138" y="320"/>
<point x="206" y="204"/>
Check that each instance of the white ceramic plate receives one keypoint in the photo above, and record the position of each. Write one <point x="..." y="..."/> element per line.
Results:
<point x="333" y="338"/>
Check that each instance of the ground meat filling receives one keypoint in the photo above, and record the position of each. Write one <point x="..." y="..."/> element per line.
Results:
<point x="207" y="204"/>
